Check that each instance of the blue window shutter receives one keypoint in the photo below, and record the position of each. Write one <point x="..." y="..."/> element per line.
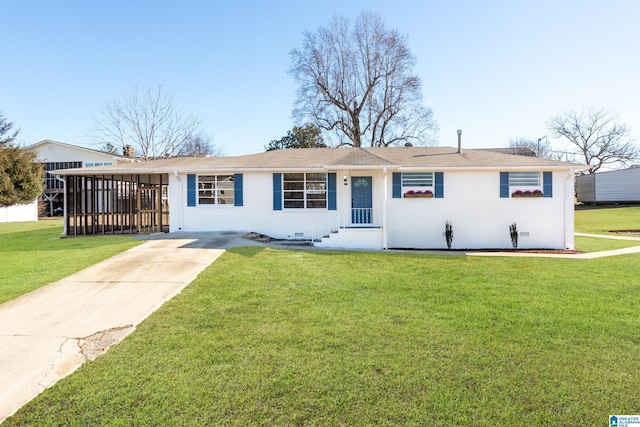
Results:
<point x="277" y="191"/>
<point x="504" y="184"/>
<point x="191" y="190"/>
<point x="331" y="194"/>
<point x="439" y="185"/>
<point x="547" y="184"/>
<point x="397" y="185"/>
<point x="237" y="189"/>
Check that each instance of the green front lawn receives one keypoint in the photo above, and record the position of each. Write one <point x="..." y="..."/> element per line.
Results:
<point x="276" y="337"/>
<point x="32" y="254"/>
<point x="596" y="244"/>
<point x="602" y="220"/>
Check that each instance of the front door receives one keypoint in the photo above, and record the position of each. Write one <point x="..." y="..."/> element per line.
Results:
<point x="361" y="200"/>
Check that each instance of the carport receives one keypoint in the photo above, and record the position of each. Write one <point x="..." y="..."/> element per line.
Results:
<point x="116" y="204"/>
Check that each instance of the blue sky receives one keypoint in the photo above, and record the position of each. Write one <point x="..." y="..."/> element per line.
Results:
<point x="495" y="69"/>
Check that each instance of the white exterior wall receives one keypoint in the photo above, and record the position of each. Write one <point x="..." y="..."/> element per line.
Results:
<point x="471" y="202"/>
<point x="256" y="215"/>
<point x="480" y="218"/>
<point x="19" y="213"/>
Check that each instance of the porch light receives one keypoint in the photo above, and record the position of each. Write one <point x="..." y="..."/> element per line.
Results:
<point x="344" y="179"/>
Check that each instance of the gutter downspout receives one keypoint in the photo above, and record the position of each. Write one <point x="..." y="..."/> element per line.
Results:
<point x="64" y="204"/>
<point x="385" y="192"/>
<point x="175" y="173"/>
<point x="569" y="216"/>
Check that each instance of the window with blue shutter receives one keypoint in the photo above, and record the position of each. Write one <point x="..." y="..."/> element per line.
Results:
<point x="397" y="185"/>
<point x="504" y="184"/>
<point x="439" y="185"/>
<point x="237" y="189"/>
<point x="547" y="184"/>
<point x="191" y="190"/>
<point x="277" y="191"/>
<point x="331" y="187"/>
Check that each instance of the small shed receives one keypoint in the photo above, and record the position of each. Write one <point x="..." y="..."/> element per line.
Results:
<point x="619" y="186"/>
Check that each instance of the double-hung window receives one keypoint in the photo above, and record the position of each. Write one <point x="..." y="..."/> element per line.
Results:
<point x="215" y="190"/>
<point x="304" y="190"/>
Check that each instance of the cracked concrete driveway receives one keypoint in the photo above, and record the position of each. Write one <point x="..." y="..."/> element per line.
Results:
<point x="47" y="334"/>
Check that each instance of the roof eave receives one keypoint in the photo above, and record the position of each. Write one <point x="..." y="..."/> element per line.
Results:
<point x="361" y="167"/>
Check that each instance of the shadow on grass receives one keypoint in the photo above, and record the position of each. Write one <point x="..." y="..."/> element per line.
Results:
<point x="51" y="240"/>
<point x="247" y="251"/>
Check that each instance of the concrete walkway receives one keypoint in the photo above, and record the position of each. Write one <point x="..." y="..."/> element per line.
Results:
<point x="47" y="334"/>
<point x="586" y="255"/>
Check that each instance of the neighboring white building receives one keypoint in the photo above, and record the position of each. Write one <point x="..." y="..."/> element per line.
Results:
<point x="619" y="186"/>
<point x="371" y="198"/>
<point x="58" y="155"/>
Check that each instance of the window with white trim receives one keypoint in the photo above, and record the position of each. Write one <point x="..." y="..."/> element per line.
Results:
<point x="215" y="190"/>
<point x="304" y="190"/>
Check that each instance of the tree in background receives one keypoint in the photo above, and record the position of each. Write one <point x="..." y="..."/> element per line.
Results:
<point x="200" y="145"/>
<point x="595" y="137"/>
<point x="148" y="121"/>
<point x="6" y="137"/>
<point x="21" y="177"/>
<point x="309" y="136"/>
<point x="357" y="81"/>
<point x="540" y="147"/>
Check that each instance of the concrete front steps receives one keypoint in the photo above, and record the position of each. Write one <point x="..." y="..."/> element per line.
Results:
<point x="352" y="238"/>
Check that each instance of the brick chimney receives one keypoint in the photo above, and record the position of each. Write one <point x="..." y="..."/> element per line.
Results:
<point x="129" y="151"/>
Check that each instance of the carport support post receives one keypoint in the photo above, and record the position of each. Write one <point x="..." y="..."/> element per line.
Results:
<point x="385" y="195"/>
<point x="64" y="204"/>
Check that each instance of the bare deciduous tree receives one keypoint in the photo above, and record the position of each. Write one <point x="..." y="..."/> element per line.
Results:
<point x="596" y="137"/>
<point x="200" y="145"/>
<point x="147" y="120"/>
<point x="358" y="82"/>
<point x="540" y="147"/>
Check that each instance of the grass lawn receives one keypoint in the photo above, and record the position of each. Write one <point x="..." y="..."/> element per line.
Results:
<point x="33" y="255"/>
<point x="601" y="220"/>
<point x="594" y="244"/>
<point x="277" y="337"/>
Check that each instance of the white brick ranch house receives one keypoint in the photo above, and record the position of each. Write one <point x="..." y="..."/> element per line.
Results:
<point x="373" y="198"/>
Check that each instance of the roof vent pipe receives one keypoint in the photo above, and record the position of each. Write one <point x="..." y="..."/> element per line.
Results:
<point x="459" y="141"/>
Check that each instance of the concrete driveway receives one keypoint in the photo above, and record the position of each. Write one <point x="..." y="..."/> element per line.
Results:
<point x="47" y="334"/>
